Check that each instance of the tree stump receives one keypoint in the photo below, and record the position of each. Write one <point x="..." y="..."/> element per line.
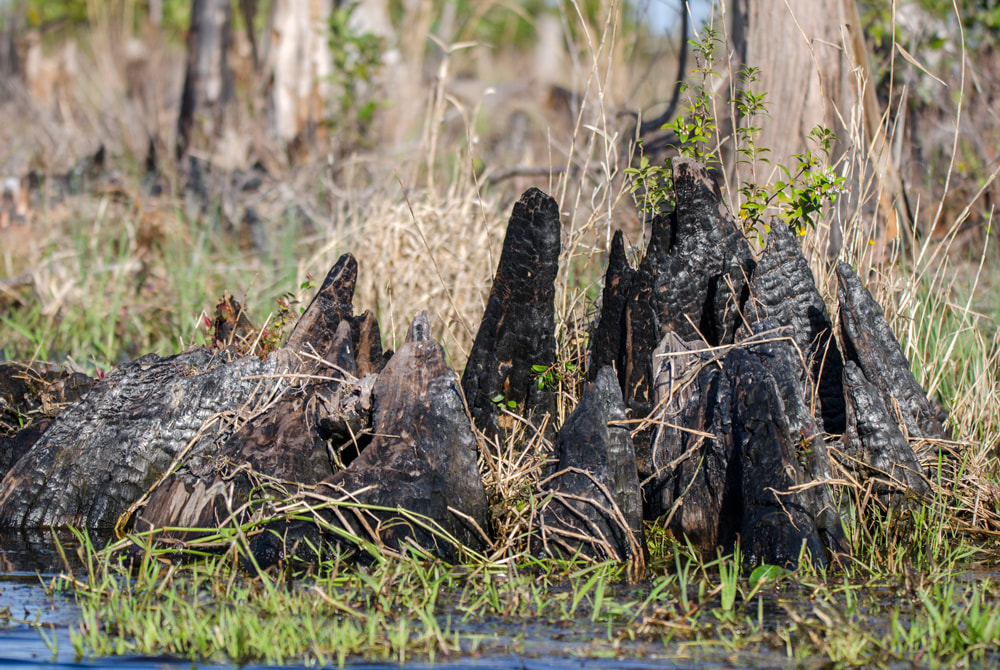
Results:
<point x="518" y="328"/>
<point x="593" y="503"/>
<point x="692" y="281"/>
<point x="421" y="461"/>
<point x="289" y="442"/>
<point x="782" y="289"/>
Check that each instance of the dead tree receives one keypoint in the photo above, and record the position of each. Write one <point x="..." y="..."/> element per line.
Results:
<point x="209" y="84"/>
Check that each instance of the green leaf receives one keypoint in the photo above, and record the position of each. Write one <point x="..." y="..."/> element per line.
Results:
<point x="764" y="573"/>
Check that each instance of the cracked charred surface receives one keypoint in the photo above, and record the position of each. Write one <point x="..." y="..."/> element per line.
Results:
<point x="776" y="518"/>
<point x="782" y="288"/>
<point x="286" y="444"/>
<point x="814" y="469"/>
<point x="594" y="493"/>
<point x="737" y="454"/>
<point x="875" y="447"/>
<point x="870" y="343"/>
<point x="691" y="461"/>
<point x="518" y="327"/>
<point x="31" y="397"/>
<point x="101" y="454"/>
<point x="422" y="459"/>
<point x="606" y="341"/>
<point x="692" y="281"/>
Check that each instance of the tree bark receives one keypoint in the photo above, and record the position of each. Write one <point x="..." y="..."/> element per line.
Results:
<point x="208" y="80"/>
<point x="814" y="66"/>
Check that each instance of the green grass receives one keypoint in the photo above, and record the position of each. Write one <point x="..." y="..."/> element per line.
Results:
<point x="404" y="608"/>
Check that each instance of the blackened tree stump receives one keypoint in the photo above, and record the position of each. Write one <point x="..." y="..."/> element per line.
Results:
<point x="518" y="328"/>
<point x="422" y="460"/>
<point x="289" y="442"/>
<point x="692" y="281"/>
<point x="103" y="453"/>
<point x="782" y="288"/>
<point x="731" y="367"/>
<point x="593" y="504"/>
<point x="870" y="343"/>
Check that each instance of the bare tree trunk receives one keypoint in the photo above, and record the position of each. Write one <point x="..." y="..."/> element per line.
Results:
<point x="813" y="64"/>
<point x="11" y="24"/>
<point x="299" y="62"/>
<point x="208" y="83"/>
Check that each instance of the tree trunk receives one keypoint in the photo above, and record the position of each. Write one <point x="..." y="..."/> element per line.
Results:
<point x="298" y="61"/>
<point x="813" y="64"/>
<point x="208" y="82"/>
<point x="11" y="24"/>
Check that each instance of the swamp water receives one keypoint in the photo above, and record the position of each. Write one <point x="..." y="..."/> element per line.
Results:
<point x="35" y="625"/>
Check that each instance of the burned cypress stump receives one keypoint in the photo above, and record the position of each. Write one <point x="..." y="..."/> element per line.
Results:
<point x="316" y="331"/>
<point x="692" y="281"/>
<point x="593" y="502"/>
<point x="101" y="454"/>
<point x="782" y="288"/>
<point x="776" y="519"/>
<point x="422" y="460"/>
<point x="874" y="444"/>
<point x="737" y="453"/>
<point x="870" y="343"/>
<point x="781" y="358"/>
<point x="290" y="441"/>
<point x="606" y="341"/>
<point x="694" y="477"/>
<point x="518" y="328"/>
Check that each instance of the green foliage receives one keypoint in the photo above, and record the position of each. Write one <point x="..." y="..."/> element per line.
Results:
<point x="799" y="197"/>
<point x="696" y="128"/>
<point x="802" y="193"/>
<point x="357" y="58"/>
<point x="553" y="376"/>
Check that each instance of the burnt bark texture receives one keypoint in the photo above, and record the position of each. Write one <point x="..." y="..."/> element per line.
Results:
<point x="782" y="289"/>
<point x="737" y="453"/>
<point x="299" y="438"/>
<point x="776" y="521"/>
<point x="593" y="502"/>
<point x="693" y="476"/>
<point x="781" y="360"/>
<point x="422" y="460"/>
<point x="606" y="340"/>
<point x="692" y="281"/>
<point x="104" y="452"/>
<point x="30" y="398"/>
<point x="518" y="328"/>
<point x="869" y="342"/>
<point x="876" y="449"/>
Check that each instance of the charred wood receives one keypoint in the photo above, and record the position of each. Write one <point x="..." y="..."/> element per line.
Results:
<point x="870" y="343"/>
<point x="693" y="475"/>
<point x="782" y="288"/>
<point x="606" y="340"/>
<point x="314" y="427"/>
<point x="518" y="328"/>
<point x="593" y="503"/>
<point x="101" y="454"/>
<point x="875" y="447"/>
<point x="422" y="460"/>
<point x="692" y="281"/>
